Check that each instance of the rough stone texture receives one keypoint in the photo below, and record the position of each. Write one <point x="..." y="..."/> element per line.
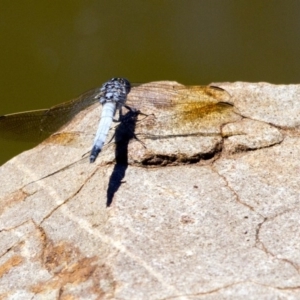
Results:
<point x="190" y="217"/>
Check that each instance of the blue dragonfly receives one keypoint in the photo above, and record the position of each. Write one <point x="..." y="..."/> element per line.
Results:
<point x="173" y="110"/>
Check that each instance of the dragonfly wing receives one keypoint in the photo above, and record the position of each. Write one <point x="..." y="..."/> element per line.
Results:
<point x="36" y="125"/>
<point x="23" y="126"/>
<point x="164" y="93"/>
<point x="177" y="110"/>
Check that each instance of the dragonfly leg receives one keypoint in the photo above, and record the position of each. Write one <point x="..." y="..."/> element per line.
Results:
<point x="136" y="138"/>
<point x="134" y="110"/>
<point x="120" y="115"/>
<point x="131" y="110"/>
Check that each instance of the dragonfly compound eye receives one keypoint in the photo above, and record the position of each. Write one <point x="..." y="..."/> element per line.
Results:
<point x="124" y="82"/>
<point x="127" y="84"/>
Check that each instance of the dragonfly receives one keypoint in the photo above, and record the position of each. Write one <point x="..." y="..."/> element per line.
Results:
<point x="171" y="110"/>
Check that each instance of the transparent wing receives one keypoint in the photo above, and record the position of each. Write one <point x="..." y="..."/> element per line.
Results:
<point x="177" y="110"/>
<point x="166" y="93"/>
<point x="36" y="125"/>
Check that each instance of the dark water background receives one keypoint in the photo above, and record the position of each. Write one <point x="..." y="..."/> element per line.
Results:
<point x="52" y="51"/>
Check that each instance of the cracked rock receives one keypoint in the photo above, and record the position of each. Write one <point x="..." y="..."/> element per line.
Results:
<point x="210" y="215"/>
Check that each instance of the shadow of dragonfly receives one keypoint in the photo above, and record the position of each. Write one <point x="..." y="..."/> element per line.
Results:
<point x="172" y="110"/>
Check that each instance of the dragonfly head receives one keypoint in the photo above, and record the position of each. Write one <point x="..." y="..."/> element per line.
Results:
<point x="124" y="82"/>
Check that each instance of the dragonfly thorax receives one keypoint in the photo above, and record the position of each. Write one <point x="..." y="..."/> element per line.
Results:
<point x="114" y="90"/>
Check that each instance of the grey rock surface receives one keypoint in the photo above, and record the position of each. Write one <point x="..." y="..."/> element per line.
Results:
<point x="189" y="217"/>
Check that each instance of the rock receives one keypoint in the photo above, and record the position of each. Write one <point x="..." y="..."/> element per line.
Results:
<point x="214" y="215"/>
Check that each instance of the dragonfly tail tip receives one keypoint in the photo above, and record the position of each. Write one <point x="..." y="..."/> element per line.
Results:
<point x="94" y="153"/>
